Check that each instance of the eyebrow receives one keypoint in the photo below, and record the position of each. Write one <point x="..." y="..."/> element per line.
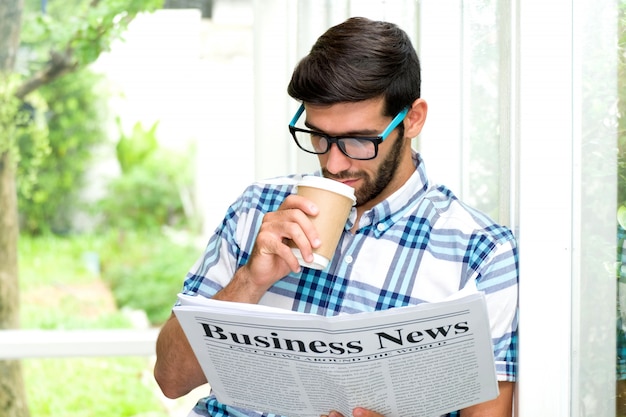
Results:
<point x="365" y="133"/>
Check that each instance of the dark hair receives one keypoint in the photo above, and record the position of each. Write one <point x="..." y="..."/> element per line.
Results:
<point x="357" y="60"/>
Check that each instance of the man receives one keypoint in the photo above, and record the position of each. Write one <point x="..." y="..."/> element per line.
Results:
<point x="407" y="241"/>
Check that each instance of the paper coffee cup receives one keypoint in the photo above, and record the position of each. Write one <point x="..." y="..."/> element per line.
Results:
<point x="334" y="200"/>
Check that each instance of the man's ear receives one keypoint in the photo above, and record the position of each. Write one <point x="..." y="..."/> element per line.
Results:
<point x="415" y="118"/>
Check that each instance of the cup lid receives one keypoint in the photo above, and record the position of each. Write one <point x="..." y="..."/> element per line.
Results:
<point x="319" y="261"/>
<point x="328" y="184"/>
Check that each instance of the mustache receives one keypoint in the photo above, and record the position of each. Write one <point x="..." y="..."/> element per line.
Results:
<point x="344" y="175"/>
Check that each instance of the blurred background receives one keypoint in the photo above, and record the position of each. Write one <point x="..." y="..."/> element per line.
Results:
<point x="133" y="124"/>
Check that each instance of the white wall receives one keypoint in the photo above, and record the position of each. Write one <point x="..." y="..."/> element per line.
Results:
<point x="155" y="75"/>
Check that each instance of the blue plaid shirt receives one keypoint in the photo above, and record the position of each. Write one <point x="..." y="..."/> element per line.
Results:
<point x="420" y="245"/>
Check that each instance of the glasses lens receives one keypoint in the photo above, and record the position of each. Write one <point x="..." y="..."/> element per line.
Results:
<point x="311" y="142"/>
<point x="357" y="148"/>
<point x="318" y="143"/>
<point x="353" y="147"/>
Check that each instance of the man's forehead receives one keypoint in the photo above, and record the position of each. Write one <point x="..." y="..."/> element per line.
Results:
<point x="344" y="118"/>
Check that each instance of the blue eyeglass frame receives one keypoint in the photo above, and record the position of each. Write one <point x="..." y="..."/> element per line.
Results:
<point x="394" y="123"/>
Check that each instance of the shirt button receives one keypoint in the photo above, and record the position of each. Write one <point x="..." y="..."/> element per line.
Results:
<point x="349" y="259"/>
<point x="380" y="227"/>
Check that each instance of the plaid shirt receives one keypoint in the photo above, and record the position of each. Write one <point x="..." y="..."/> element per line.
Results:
<point x="419" y="245"/>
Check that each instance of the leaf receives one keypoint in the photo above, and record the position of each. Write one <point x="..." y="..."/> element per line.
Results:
<point x="621" y="216"/>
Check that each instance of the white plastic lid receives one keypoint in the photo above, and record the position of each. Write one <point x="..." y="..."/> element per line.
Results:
<point x="328" y="184"/>
<point x="319" y="262"/>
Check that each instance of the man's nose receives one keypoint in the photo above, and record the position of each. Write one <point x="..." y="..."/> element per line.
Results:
<point x="336" y="161"/>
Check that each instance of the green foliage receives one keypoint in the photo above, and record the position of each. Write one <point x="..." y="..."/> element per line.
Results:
<point x="79" y="30"/>
<point x="65" y="280"/>
<point x="10" y="118"/>
<point x="86" y="28"/>
<point x="75" y="127"/>
<point x="145" y="271"/>
<point x="18" y="124"/>
<point x="152" y="190"/>
<point x="79" y="37"/>
<point x="133" y="150"/>
<point x="142" y="199"/>
<point x="50" y="260"/>
<point x="61" y="290"/>
<point x="91" y="387"/>
<point x="621" y="105"/>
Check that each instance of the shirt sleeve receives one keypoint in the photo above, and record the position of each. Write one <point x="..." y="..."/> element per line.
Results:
<point x="231" y="243"/>
<point x="499" y="282"/>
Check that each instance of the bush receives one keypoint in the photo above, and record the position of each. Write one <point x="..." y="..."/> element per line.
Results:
<point x="145" y="271"/>
<point x="75" y="127"/>
<point x="153" y="189"/>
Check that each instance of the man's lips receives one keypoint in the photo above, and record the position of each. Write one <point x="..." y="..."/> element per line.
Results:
<point x="344" y="179"/>
<point x="349" y="182"/>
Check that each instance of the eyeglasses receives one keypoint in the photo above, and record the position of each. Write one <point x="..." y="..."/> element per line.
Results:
<point x="361" y="147"/>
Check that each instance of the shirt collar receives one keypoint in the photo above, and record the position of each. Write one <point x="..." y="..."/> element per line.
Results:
<point x="383" y="215"/>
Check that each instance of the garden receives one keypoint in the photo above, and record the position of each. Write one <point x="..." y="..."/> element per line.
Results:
<point x="62" y="287"/>
<point x="123" y="270"/>
<point x="96" y="249"/>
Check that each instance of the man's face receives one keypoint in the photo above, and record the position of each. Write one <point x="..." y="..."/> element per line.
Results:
<point x="375" y="179"/>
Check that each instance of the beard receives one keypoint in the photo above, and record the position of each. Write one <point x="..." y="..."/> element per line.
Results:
<point x="373" y="186"/>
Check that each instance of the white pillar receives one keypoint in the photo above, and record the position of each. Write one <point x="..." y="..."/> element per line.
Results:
<point x="273" y="45"/>
<point x="545" y="120"/>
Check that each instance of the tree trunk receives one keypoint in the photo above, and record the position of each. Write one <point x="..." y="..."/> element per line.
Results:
<point x="10" y="25"/>
<point x="12" y="392"/>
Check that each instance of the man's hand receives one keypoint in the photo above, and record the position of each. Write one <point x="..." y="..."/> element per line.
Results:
<point x="177" y="370"/>
<point x="357" y="412"/>
<point x="271" y="257"/>
<point x="289" y="222"/>
<point x="502" y="406"/>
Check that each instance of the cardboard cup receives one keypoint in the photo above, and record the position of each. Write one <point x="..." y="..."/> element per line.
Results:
<point x="334" y="201"/>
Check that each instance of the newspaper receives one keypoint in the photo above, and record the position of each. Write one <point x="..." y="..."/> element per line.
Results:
<point x="423" y="360"/>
